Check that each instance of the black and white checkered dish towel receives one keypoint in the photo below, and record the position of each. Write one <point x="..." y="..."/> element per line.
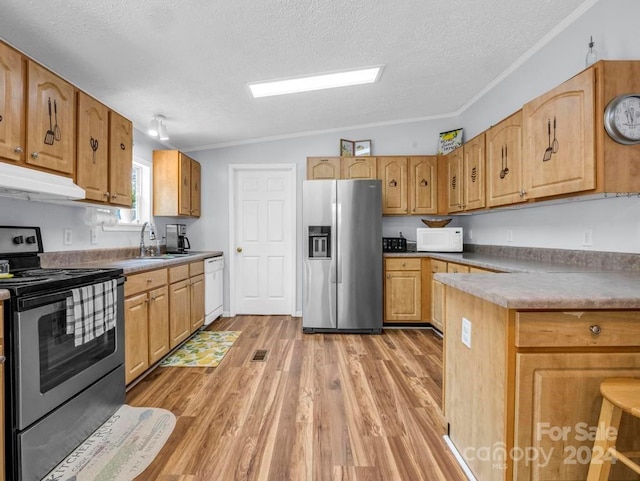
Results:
<point x="91" y="311"/>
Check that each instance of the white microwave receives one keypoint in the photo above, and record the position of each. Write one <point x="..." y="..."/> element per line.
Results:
<point x="442" y="239"/>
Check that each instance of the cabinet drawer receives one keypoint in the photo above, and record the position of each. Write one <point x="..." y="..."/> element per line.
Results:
<point x="578" y="329"/>
<point x="453" y="268"/>
<point x="438" y="266"/>
<point x="144" y="281"/>
<point x="402" y="264"/>
<point x="196" y="268"/>
<point x="178" y="273"/>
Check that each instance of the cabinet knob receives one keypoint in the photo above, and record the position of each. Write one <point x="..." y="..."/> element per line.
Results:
<point x="388" y="276"/>
<point x="404" y="264"/>
<point x="2" y="359"/>
<point x="18" y="150"/>
<point x="595" y="329"/>
<point x="34" y="155"/>
<point x="114" y="196"/>
<point x="149" y="281"/>
<point x="107" y="194"/>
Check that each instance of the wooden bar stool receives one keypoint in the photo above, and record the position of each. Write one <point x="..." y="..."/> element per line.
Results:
<point x="618" y="395"/>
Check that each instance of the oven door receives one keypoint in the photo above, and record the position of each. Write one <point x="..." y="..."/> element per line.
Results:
<point x="50" y="369"/>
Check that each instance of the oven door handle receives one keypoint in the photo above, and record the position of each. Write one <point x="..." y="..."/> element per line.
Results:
<point x="26" y="303"/>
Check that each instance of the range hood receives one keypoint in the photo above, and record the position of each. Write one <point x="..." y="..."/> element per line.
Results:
<point x="29" y="184"/>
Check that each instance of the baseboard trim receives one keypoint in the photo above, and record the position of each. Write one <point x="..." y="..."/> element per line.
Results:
<point x="459" y="458"/>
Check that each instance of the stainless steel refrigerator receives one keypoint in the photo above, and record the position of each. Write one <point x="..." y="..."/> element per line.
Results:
<point x="342" y="232"/>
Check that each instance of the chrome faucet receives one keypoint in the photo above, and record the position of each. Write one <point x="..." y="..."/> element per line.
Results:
<point x="152" y="236"/>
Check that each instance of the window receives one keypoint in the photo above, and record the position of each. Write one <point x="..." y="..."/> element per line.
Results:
<point x="140" y="211"/>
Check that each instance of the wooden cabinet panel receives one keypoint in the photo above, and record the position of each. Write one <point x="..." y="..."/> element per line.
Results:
<point x="473" y="168"/>
<point x="12" y="104"/>
<point x="120" y="159"/>
<point x="319" y="168"/>
<point x="402" y="290"/>
<point x="358" y="168"/>
<point x="184" y="188"/>
<point x="578" y="329"/>
<point x="179" y="312"/>
<point x="178" y="273"/>
<point x="423" y="182"/>
<point x="197" y="301"/>
<point x="504" y="162"/>
<point x="393" y="173"/>
<point x="557" y="406"/>
<point x="92" y="148"/>
<point x="437" y="295"/>
<point x="50" y="121"/>
<point x="144" y="281"/>
<point x="453" y="268"/>
<point x="196" y="176"/>
<point x="455" y="198"/>
<point x="196" y="268"/>
<point x="559" y="142"/>
<point x="158" y="321"/>
<point x="136" y="334"/>
<point x="402" y="264"/>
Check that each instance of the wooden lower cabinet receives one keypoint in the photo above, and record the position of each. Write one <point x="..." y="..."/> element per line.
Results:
<point x="528" y="386"/>
<point x="402" y="290"/>
<point x="437" y="295"/>
<point x="146" y="321"/>
<point x="179" y="312"/>
<point x="196" y="305"/>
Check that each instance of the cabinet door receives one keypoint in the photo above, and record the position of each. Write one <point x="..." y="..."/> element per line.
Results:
<point x="473" y="168"/>
<point x="504" y="162"/>
<point x="179" y="314"/>
<point x="50" y="121"/>
<point x="158" y="324"/>
<point x="120" y="159"/>
<point x="12" y="121"/>
<point x="358" y="168"/>
<point x="437" y="295"/>
<point x="402" y="296"/>
<point x="423" y="190"/>
<point x="197" y="302"/>
<point x="92" y="148"/>
<point x="559" y="145"/>
<point x="184" y="189"/>
<point x="454" y="181"/>
<point x="393" y="173"/>
<point x="195" y="188"/>
<point x="136" y="336"/>
<point x="319" y="168"/>
<point x="551" y="421"/>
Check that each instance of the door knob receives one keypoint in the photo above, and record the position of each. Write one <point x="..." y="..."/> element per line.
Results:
<point x="238" y="249"/>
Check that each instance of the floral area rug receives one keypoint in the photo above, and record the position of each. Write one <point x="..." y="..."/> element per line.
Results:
<point x="205" y="349"/>
<point x="119" y="450"/>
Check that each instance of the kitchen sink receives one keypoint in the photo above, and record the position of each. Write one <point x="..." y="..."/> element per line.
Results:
<point x="163" y="257"/>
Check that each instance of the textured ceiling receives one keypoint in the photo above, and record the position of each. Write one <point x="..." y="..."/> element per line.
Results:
<point x="190" y="60"/>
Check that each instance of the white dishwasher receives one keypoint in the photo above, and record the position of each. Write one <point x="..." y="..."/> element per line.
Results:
<point x="213" y="291"/>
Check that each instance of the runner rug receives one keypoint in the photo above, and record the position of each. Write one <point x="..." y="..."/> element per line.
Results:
<point x="120" y="449"/>
<point x="205" y="349"/>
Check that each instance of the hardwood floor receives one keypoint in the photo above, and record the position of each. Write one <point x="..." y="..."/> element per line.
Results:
<point x="334" y="407"/>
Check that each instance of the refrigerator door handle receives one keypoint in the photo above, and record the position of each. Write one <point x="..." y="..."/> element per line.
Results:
<point x="339" y="248"/>
<point x="332" y="251"/>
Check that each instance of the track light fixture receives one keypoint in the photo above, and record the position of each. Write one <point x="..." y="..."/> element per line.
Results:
<point x="157" y="127"/>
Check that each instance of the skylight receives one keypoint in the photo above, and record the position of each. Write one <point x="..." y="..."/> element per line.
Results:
<point x="315" y="82"/>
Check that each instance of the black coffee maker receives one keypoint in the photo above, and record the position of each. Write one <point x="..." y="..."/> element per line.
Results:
<point x="177" y="240"/>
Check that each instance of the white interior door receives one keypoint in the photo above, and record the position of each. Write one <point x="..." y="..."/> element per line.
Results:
<point x="263" y="239"/>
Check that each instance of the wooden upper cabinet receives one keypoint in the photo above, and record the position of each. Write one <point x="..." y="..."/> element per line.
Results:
<point x="319" y="168"/>
<point x="195" y="188"/>
<point x="184" y="188"/>
<point x="423" y="185"/>
<point x="473" y="168"/>
<point x="504" y="162"/>
<point x="12" y="118"/>
<point x="393" y="173"/>
<point x="120" y="159"/>
<point x="559" y="144"/>
<point x="93" y="148"/>
<point x="454" y="181"/>
<point x="176" y="184"/>
<point x="50" y="121"/>
<point x="358" y="168"/>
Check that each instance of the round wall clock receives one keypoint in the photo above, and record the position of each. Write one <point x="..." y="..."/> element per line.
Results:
<point x="622" y="119"/>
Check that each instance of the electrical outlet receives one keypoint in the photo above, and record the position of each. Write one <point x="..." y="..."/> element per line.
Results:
<point x="94" y="235"/>
<point x="67" y="237"/>
<point x="509" y="235"/>
<point x="466" y="332"/>
<point x="587" y="239"/>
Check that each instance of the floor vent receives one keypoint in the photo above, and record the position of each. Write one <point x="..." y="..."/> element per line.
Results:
<point x="259" y="356"/>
